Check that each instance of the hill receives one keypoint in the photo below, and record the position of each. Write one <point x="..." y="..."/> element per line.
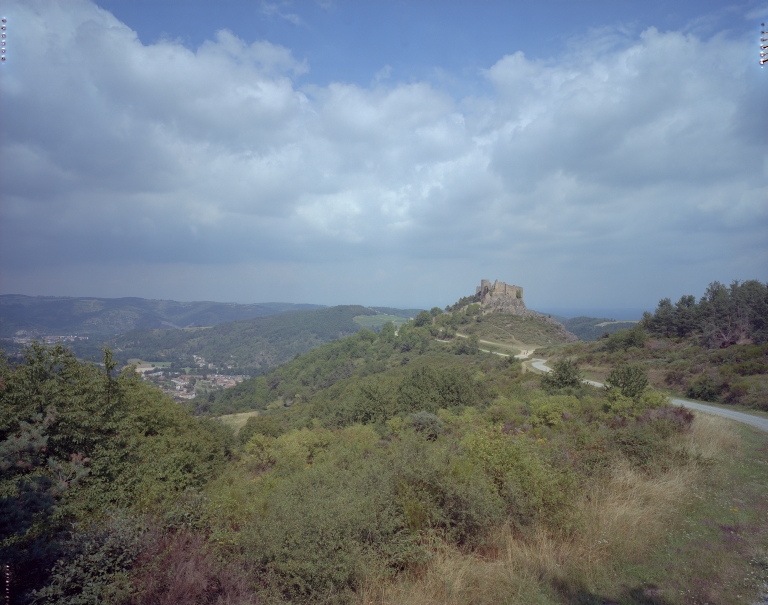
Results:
<point x="517" y="330"/>
<point x="105" y="317"/>
<point x="436" y="338"/>
<point x="351" y="416"/>
<point x="592" y="328"/>
<point x="250" y="345"/>
<point x="714" y="349"/>
<point x="389" y="468"/>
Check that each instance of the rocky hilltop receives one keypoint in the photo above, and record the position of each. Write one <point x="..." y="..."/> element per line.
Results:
<point x="500" y="297"/>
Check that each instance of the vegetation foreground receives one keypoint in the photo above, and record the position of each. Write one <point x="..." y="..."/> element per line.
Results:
<point x="381" y="468"/>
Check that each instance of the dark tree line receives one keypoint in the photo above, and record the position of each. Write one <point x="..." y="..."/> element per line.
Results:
<point x="722" y="317"/>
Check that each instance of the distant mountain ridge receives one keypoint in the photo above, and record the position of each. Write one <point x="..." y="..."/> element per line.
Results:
<point x="105" y="317"/>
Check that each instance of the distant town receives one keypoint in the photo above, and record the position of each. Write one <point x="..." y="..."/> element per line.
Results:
<point x="202" y="380"/>
<point x="185" y="385"/>
<point x="23" y="337"/>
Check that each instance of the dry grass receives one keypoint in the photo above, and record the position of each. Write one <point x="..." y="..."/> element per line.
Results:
<point x="178" y="568"/>
<point x="620" y="521"/>
<point x="237" y="421"/>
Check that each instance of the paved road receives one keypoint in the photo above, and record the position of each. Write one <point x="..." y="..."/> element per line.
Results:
<point x="756" y="421"/>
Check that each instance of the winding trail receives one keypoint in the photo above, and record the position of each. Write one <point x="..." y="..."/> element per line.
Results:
<point x="756" y="421"/>
<point x="526" y="350"/>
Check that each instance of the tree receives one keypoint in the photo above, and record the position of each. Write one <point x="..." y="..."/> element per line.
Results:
<point x="630" y="379"/>
<point x="564" y="373"/>
<point x="467" y="346"/>
<point x="422" y="319"/>
<point x="75" y="440"/>
<point x="435" y="311"/>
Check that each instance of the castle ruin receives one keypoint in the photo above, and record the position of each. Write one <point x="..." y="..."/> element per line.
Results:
<point x="500" y="297"/>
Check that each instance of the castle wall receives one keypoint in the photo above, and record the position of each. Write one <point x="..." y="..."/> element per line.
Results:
<point x="500" y="297"/>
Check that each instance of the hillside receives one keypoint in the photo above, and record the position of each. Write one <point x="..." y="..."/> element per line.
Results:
<point x="105" y="317"/>
<point x="517" y="329"/>
<point x="435" y="338"/>
<point x="592" y="328"/>
<point x="252" y="345"/>
<point x="389" y="468"/>
<point x="337" y="417"/>
<point x="713" y="350"/>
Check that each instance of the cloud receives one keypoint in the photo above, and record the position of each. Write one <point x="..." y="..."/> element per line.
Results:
<point x="274" y="10"/>
<point x="605" y="174"/>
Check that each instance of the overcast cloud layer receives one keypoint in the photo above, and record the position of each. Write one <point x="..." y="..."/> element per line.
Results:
<point x="627" y="169"/>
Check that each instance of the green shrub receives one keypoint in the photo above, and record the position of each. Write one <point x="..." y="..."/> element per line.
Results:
<point x="262" y="425"/>
<point x="423" y="318"/>
<point x="622" y="340"/>
<point x="705" y="389"/>
<point x="532" y="488"/>
<point x="94" y="564"/>
<point x="550" y="411"/>
<point x="467" y="346"/>
<point x="427" y="424"/>
<point x="564" y="373"/>
<point x="631" y="380"/>
<point x="429" y="389"/>
<point x="359" y="509"/>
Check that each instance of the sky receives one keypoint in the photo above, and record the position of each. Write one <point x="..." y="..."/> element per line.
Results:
<point x="600" y="154"/>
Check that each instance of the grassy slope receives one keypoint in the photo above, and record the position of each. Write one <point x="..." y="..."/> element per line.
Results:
<point x="237" y="421"/>
<point x="738" y="374"/>
<point x="514" y="330"/>
<point x="701" y="517"/>
<point x="693" y="535"/>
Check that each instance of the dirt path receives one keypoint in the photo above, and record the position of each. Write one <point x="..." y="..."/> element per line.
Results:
<point x="525" y="350"/>
<point x="756" y="421"/>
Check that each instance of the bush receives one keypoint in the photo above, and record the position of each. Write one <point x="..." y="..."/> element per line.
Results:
<point x="429" y="389"/>
<point x="423" y="318"/>
<point x="621" y="340"/>
<point x="631" y="380"/>
<point x="427" y="424"/>
<point x="564" y="373"/>
<point x="94" y="564"/>
<point x="532" y="488"/>
<point x="705" y="389"/>
<point x="261" y="425"/>
<point x="467" y="346"/>
<point x="359" y="508"/>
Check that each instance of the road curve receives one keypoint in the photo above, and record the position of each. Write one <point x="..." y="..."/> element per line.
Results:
<point x="756" y="421"/>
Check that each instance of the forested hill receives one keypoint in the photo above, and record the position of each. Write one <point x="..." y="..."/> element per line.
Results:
<point x="105" y="317"/>
<point x="253" y="344"/>
<point x="593" y="328"/>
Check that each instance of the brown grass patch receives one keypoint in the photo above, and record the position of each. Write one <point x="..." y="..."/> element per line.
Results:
<point x="179" y="568"/>
<point x="621" y="520"/>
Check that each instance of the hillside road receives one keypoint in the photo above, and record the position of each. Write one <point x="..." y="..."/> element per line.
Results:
<point x="756" y="421"/>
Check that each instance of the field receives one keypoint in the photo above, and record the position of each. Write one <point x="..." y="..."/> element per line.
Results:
<point x="237" y="421"/>
<point x="146" y="366"/>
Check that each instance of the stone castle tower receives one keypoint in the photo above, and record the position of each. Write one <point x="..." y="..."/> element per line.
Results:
<point x="500" y="297"/>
